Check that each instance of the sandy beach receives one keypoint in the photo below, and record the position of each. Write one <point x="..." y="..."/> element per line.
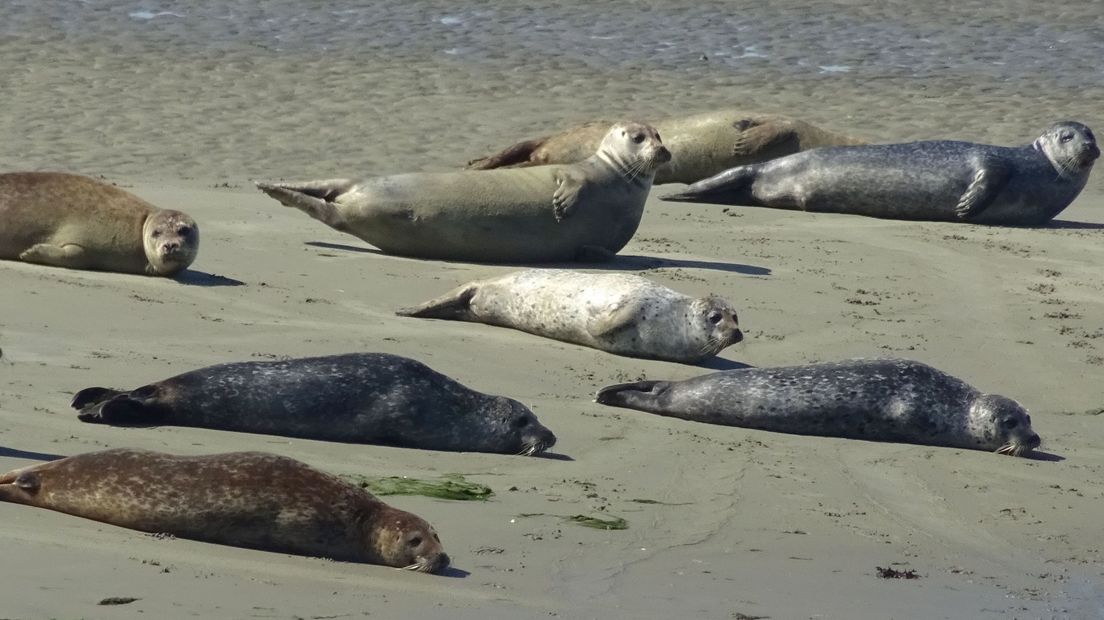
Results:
<point x="722" y="522"/>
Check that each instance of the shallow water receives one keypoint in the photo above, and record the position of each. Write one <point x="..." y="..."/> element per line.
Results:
<point x="235" y="89"/>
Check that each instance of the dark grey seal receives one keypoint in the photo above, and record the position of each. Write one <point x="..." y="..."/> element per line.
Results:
<point x="358" y="398"/>
<point x="937" y="180"/>
<point x="876" y="400"/>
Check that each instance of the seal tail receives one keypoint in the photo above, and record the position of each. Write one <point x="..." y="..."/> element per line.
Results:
<point x="19" y="486"/>
<point x="455" y="305"/>
<point x="731" y="187"/>
<point x="516" y="155"/>
<point x="638" y="395"/>
<point x="90" y="397"/>
<point x="315" y="198"/>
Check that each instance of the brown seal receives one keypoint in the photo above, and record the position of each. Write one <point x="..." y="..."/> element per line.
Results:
<point x="701" y="145"/>
<point x="68" y="220"/>
<point x="244" y="499"/>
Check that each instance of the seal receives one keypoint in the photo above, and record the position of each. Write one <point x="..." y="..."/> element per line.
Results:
<point x="701" y="145"/>
<point x="586" y="211"/>
<point x="876" y="400"/>
<point x="355" y="398"/>
<point x="937" y="180"/>
<point x="243" y="499"/>
<point x="68" y="220"/>
<point x="614" y="312"/>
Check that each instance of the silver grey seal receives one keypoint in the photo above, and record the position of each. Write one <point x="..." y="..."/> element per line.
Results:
<point x="936" y="180"/>
<point x="615" y="312"/>
<point x="877" y="400"/>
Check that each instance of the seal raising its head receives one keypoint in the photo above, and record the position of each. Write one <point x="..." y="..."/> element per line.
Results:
<point x="877" y="400"/>
<point x="619" y="313"/>
<point x="583" y="211"/>
<point x="68" y="220"/>
<point x="940" y="180"/>
<point x="357" y="398"/>
<point x="701" y="144"/>
<point x="244" y="499"/>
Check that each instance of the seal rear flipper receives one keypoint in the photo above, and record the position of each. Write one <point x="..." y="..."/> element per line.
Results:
<point x="93" y="396"/>
<point x="455" y="306"/>
<point x="19" y="485"/>
<point x="519" y="155"/>
<point x="638" y="395"/>
<point x="989" y="179"/>
<point x="756" y="136"/>
<point x="121" y="408"/>
<point x="315" y="198"/>
<point x="731" y="187"/>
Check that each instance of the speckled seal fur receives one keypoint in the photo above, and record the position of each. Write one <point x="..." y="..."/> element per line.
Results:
<point x="68" y="220"/>
<point x="877" y="400"/>
<point x="701" y="144"/>
<point x="586" y="211"/>
<point x="357" y="397"/>
<point x="619" y="313"/>
<point x="939" y="180"/>
<point x="244" y="499"/>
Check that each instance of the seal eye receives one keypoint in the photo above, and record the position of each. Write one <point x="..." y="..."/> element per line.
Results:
<point x="1011" y="424"/>
<point x="638" y="138"/>
<point x="715" y="317"/>
<point x="414" y="542"/>
<point x="155" y="234"/>
<point x="1066" y="137"/>
<point x="522" y="422"/>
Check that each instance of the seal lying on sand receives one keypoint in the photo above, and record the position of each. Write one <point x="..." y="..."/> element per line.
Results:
<point x="357" y="398"/>
<point x="876" y="400"/>
<point x="68" y="220"/>
<point x="701" y="145"/>
<point x="614" y="312"/>
<point x="940" y="180"/>
<point x="584" y="211"/>
<point x="244" y="499"/>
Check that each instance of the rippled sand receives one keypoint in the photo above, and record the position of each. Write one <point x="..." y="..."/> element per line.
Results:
<point x="184" y="105"/>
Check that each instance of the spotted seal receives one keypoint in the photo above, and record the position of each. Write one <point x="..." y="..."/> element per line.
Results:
<point x="618" y="313"/>
<point x="701" y="144"/>
<point x="935" y="180"/>
<point x="69" y="220"/>
<point x="357" y="398"/>
<point x="586" y="211"/>
<point x="243" y="499"/>
<point x="878" y="400"/>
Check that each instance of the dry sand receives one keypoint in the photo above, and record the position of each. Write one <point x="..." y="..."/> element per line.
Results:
<point x="723" y="522"/>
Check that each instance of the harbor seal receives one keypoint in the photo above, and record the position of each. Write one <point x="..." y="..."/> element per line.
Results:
<point x="614" y="312"/>
<point x="356" y="398"/>
<point x="586" y="211"/>
<point x="243" y="499"/>
<point x="69" y="220"/>
<point x="937" y="180"/>
<point x="877" y="400"/>
<point x="701" y="145"/>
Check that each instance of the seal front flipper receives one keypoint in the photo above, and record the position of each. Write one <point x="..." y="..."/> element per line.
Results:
<point x="755" y="136"/>
<point x="315" y="198"/>
<point x="68" y="255"/>
<point x="519" y="154"/>
<point x="455" y="305"/>
<point x="569" y="184"/>
<point x="989" y="179"/>
<point x="604" y="323"/>
<point x="731" y="187"/>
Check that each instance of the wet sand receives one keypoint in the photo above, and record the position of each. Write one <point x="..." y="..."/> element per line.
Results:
<point x="722" y="522"/>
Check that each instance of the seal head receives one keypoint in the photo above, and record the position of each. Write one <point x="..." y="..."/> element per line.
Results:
<point x="171" y="241"/>
<point x="1070" y="146"/>
<point x="1002" y="425"/>
<point x="404" y="540"/>
<point x="719" y="321"/>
